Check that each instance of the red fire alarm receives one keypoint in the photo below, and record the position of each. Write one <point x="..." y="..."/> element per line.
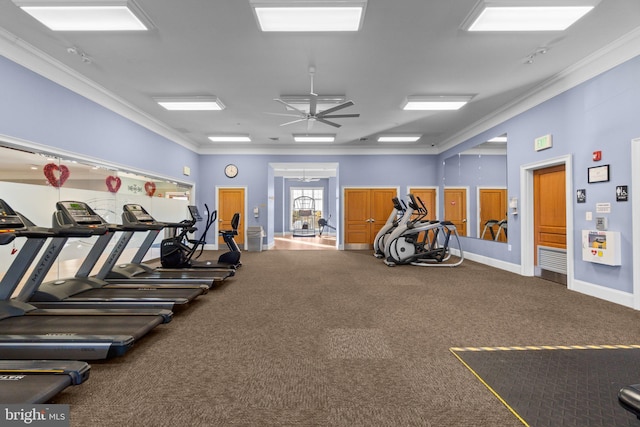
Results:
<point x="597" y="156"/>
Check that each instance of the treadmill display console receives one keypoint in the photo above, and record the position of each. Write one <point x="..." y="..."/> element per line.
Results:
<point x="80" y="213"/>
<point x="8" y="218"/>
<point x="139" y="213"/>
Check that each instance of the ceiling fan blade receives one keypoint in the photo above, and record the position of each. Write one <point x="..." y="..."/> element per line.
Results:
<point x="286" y="104"/>
<point x="313" y="103"/>
<point x="292" y="122"/>
<point x="340" y="116"/>
<point x="327" y="122"/>
<point x="336" y="108"/>
<point x="282" y="114"/>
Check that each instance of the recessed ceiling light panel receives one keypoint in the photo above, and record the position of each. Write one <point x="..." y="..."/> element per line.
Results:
<point x="194" y="103"/>
<point x="399" y="138"/>
<point x="309" y="16"/>
<point x="526" y="15"/>
<point x="230" y="138"/>
<point x="87" y="15"/>
<point x="314" y="138"/>
<point x="435" y="103"/>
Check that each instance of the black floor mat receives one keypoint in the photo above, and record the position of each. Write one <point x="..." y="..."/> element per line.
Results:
<point x="558" y="386"/>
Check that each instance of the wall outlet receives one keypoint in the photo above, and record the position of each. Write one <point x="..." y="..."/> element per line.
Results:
<point x="589" y="216"/>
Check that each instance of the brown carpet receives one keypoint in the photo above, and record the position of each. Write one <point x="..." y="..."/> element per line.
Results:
<point x="336" y="338"/>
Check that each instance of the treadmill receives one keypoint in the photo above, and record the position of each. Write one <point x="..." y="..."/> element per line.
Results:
<point x="136" y="271"/>
<point x="27" y="332"/>
<point x="38" y="381"/>
<point x="82" y="291"/>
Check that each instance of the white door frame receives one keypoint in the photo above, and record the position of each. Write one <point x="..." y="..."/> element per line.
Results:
<point x="527" y="215"/>
<point x="635" y="223"/>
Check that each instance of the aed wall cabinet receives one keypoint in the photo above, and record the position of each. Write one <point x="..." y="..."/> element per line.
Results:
<point x="602" y="247"/>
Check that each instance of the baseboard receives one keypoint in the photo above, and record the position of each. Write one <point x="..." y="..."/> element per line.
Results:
<point x="601" y="292"/>
<point x="502" y="265"/>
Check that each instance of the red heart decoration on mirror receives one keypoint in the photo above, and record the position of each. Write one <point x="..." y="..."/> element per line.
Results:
<point x="56" y="175"/>
<point x="113" y="183"/>
<point x="150" y="188"/>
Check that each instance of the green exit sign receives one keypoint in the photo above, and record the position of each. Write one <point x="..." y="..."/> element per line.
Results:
<point x="543" y="142"/>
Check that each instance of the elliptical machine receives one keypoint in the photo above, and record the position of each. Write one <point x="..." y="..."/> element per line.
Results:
<point x="423" y="242"/>
<point x="180" y="252"/>
<point x="396" y="217"/>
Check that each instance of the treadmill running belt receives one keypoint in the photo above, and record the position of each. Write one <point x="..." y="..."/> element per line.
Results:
<point x="31" y="388"/>
<point x="135" y="326"/>
<point x="180" y="296"/>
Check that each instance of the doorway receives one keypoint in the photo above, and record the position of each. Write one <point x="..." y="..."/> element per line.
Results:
<point x="365" y="212"/>
<point x="529" y="247"/>
<point x="550" y="223"/>
<point x="230" y="201"/>
<point x="455" y="208"/>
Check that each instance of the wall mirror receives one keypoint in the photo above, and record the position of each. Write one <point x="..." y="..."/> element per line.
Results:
<point x="32" y="182"/>
<point x="475" y="190"/>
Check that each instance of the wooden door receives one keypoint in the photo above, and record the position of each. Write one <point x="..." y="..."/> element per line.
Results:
<point x="357" y="215"/>
<point x="455" y="208"/>
<point x="493" y="206"/>
<point x="549" y="199"/>
<point x="428" y="197"/>
<point x="365" y="211"/>
<point x="381" y="206"/>
<point x="230" y="201"/>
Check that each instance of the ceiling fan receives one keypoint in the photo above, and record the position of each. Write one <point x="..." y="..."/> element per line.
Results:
<point x="313" y="115"/>
<point x="304" y="178"/>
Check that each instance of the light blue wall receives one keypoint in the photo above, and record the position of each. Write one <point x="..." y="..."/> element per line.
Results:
<point x="600" y="114"/>
<point x="358" y="171"/>
<point x="42" y="112"/>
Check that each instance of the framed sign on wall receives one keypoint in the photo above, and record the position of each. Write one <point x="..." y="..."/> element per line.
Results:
<point x="598" y="174"/>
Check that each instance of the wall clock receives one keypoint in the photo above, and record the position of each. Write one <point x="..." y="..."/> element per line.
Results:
<point x="231" y="171"/>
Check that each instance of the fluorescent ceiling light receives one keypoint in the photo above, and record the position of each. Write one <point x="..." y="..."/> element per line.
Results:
<point x="230" y="138"/>
<point x="498" y="139"/>
<point x="314" y="138"/>
<point x="435" y="102"/>
<point x="195" y="103"/>
<point x="308" y="16"/>
<point x="526" y="15"/>
<point x="87" y="15"/>
<point x="399" y="138"/>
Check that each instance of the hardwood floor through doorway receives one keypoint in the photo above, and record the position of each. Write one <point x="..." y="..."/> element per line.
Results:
<point x="317" y="243"/>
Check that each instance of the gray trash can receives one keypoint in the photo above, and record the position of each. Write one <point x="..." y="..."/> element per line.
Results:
<point x="254" y="239"/>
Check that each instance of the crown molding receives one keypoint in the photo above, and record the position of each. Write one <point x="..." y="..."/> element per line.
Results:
<point x="600" y="61"/>
<point x="26" y="55"/>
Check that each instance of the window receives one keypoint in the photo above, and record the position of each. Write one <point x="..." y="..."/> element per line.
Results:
<point x="317" y="194"/>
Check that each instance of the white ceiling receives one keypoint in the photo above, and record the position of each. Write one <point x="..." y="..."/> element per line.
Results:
<point x="405" y="47"/>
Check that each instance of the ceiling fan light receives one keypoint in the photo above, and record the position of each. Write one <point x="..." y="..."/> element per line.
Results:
<point x="314" y="138"/>
<point x="309" y="16"/>
<point x="87" y="15"/>
<point x="526" y="15"/>
<point x="435" y="103"/>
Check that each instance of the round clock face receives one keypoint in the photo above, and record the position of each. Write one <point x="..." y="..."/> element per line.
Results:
<point x="231" y="171"/>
